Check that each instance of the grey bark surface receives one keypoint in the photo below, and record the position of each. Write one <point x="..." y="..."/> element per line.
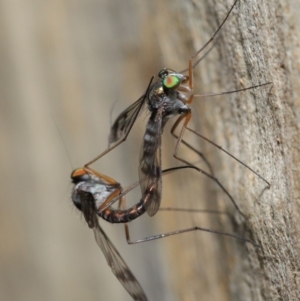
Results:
<point x="65" y="63"/>
<point x="258" y="44"/>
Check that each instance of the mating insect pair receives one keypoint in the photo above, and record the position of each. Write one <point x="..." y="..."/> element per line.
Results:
<point x="95" y="193"/>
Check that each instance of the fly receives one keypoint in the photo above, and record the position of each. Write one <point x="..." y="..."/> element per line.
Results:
<point x="170" y="95"/>
<point x="92" y="192"/>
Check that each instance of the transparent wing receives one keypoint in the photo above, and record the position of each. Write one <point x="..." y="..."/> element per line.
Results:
<point x="150" y="172"/>
<point x="114" y="259"/>
<point x="125" y="120"/>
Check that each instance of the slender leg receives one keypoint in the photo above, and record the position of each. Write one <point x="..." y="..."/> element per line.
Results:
<point x="202" y="57"/>
<point x="200" y="154"/>
<point x="154" y="237"/>
<point x="108" y="179"/>
<point x="122" y="205"/>
<point x="216" y="32"/>
<point x="187" y="118"/>
<point x="234" y="91"/>
<point x="235" y="158"/>
<point x="117" y="196"/>
<point x="209" y="211"/>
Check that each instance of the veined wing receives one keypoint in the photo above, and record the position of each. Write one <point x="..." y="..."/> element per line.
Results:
<point x="150" y="172"/>
<point x="126" y="119"/>
<point x="114" y="259"/>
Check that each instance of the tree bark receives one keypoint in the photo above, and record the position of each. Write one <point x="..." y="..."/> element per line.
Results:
<point x="259" y="43"/>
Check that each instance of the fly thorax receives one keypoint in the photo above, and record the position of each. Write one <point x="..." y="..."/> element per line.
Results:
<point x="175" y="107"/>
<point x="156" y="99"/>
<point x="100" y="193"/>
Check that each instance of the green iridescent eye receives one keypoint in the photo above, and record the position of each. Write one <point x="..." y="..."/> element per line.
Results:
<point x="171" y="81"/>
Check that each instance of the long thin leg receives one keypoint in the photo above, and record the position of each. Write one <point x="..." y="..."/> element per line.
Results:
<point x="208" y="42"/>
<point x="122" y="205"/>
<point x="188" y="116"/>
<point x="209" y="211"/>
<point x="154" y="237"/>
<point x="200" y="154"/>
<point x="191" y="65"/>
<point x="108" y="179"/>
<point x="216" y="32"/>
<point x="122" y="193"/>
<point x="218" y="146"/>
<point x="190" y="100"/>
<point x="235" y="158"/>
<point x="202" y="57"/>
<point x="186" y="120"/>
<point x="234" y="91"/>
<point x="180" y="140"/>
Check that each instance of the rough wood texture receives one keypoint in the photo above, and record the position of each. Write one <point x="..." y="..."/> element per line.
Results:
<point x="72" y="60"/>
<point x="259" y="43"/>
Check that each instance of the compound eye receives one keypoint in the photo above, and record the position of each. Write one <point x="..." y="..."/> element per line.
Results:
<point x="79" y="174"/>
<point x="171" y="81"/>
<point x="185" y="79"/>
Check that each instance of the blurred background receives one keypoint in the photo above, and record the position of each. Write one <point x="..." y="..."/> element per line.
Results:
<point x="67" y="69"/>
<point x="63" y="66"/>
